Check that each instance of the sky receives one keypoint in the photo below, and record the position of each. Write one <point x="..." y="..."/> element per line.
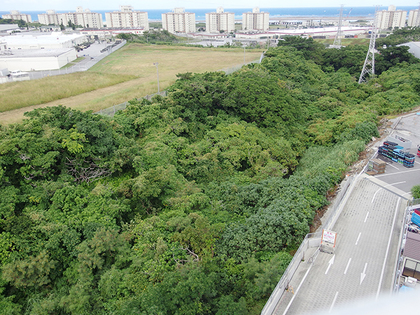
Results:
<point x="42" y="5"/>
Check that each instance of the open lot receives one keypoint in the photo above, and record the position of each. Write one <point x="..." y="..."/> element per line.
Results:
<point x="397" y="175"/>
<point x="137" y="60"/>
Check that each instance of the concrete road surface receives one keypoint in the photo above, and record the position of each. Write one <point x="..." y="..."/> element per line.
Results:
<point x="363" y="265"/>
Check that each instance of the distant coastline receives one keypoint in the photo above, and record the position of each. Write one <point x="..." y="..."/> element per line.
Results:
<point x="275" y="13"/>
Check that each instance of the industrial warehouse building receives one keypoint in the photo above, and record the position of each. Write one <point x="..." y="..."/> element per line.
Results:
<point x="54" y="40"/>
<point x="38" y="52"/>
<point x="37" y="59"/>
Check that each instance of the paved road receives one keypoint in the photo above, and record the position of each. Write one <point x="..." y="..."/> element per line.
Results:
<point x="92" y="56"/>
<point x="367" y="240"/>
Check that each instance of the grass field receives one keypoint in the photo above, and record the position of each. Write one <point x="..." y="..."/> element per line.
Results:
<point x="345" y="41"/>
<point x="132" y="65"/>
<point x="16" y="95"/>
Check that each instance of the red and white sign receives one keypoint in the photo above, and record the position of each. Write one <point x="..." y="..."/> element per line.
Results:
<point x="328" y="238"/>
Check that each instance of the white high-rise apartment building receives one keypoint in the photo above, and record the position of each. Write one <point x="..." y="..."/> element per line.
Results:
<point x="255" y="20"/>
<point x="49" y="18"/>
<point x="127" y="18"/>
<point x="390" y="18"/>
<point x="88" y="19"/>
<point x="220" y="21"/>
<point x="16" y="15"/>
<point x="179" y="21"/>
<point x="84" y="18"/>
<point x="413" y="18"/>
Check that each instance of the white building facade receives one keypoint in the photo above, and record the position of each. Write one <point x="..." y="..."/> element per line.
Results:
<point x="413" y="18"/>
<point x="85" y="18"/>
<point x="29" y="60"/>
<point x="179" y="21"/>
<point x="255" y="20"/>
<point x="390" y="18"/>
<point x="220" y="21"/>
<point x="127" y="18"/>
<point x="16" y="15"/>
<point x="49" y="18"/>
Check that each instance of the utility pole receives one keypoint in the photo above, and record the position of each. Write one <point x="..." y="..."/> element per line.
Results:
<point x="369" y="65"/>
<point x="157" y="73"/>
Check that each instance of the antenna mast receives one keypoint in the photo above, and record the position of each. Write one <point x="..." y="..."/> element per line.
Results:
<point x="369" y="65"/>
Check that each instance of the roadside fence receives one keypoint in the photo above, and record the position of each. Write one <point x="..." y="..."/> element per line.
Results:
<point x="110" y="111"/>
<point x="311" y="240"/>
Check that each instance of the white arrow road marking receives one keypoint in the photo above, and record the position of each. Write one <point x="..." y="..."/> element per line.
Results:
<point x="329" y="264"/>
<point x="367" y="214"/>
<point x="363" y="275"/>
<point x="357" y="241"/>
<point x="347" y="267"/>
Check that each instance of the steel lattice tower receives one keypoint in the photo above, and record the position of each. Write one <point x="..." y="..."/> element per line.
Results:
<point x="369" y="65"/>
<point x="337" y="40"/>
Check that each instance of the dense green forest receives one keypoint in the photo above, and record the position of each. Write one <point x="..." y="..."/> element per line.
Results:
<point x="188" y="204"/>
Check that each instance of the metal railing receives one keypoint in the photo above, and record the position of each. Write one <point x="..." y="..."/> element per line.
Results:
<point x="310" y="241"/>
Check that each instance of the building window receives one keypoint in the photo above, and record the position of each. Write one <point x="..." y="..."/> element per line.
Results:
<point x="411" y="269"/>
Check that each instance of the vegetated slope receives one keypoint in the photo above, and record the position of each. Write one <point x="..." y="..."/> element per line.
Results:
<point x="189" y="204"/>
<point x="132" y="65"/>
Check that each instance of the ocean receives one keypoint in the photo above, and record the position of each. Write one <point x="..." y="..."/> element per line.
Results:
<point x="200" y="14"/>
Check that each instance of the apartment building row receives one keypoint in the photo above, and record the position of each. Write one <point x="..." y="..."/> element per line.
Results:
<point x="85" y="18"/>
<point x="393" y="18"/>
<point x="16" y="15"/>
<point x="216" y="22"/>
<point x="177" y="21"/>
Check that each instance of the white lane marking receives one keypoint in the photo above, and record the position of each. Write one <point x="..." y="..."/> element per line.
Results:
<point x="357" y="241"/>
<point x="330" y="263"/>
<point x="387" y="249"/>
<point x="374" y="195"/>
<point x="392" y="166"/>
<point x="297" y="290"/>
<point x="347" y="267"/>
<point x="410" y="171"/>
<point x="332" y="305"/>
<point x="367" y="214"/>
<point x="363" y="274"/>
<point x="416" y="162"/>
<point x="393" y="184"/>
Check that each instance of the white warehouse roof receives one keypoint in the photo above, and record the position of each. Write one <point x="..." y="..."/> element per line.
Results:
<point x="30" y="53"/>
<point x="52" y="39"/>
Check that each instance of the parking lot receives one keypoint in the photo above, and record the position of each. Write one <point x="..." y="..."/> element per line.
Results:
<point x="396" y="175"/>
